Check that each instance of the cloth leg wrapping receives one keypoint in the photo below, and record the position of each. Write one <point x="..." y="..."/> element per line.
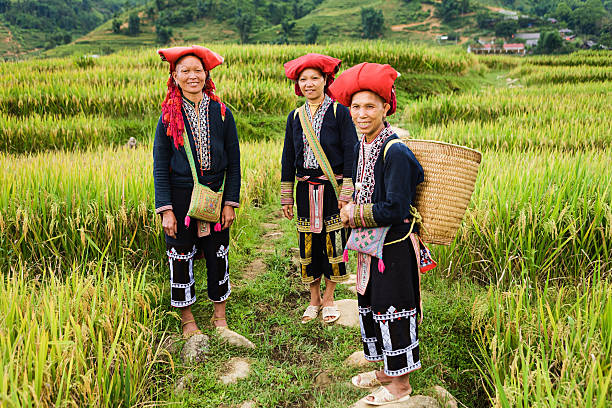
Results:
<point x="216" y="248"/>
<point x="182" y="280"/>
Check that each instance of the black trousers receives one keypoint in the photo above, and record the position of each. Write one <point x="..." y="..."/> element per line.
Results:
<point x="389" y="309"/>
<point x="186" y="247"/>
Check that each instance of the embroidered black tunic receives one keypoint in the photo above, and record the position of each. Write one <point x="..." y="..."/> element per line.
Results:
<point x="216" y="154"/>
<point x="171" y="168"/>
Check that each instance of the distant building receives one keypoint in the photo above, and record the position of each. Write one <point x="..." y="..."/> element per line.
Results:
<point x="565" y="31"/>
<point x="531" y="39"/>
<point x="508" y="15"/>
<point x="518" y="49"/>
<point x="514" y="48"/>
<point x="552" y="20"/>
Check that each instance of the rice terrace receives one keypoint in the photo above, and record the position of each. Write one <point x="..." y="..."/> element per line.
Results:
<point x="518" y="312"/>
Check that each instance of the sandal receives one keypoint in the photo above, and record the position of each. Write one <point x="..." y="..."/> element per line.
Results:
<point x="366" y="380"/>
<point x="332" y="313"/>
<point x="382" y="396"/>
<point x="214" y="319"/>
<point x="191" y="333"/>
<point x="310" y="313"/>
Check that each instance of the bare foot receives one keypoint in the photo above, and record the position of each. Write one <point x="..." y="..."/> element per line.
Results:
<point x="382" y="377"/>
<point x="188" y="323"/>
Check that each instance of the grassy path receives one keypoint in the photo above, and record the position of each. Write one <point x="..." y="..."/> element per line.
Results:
<point x="297" y="365"/>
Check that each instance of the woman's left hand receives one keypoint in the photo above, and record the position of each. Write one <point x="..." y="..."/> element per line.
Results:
<point x="344" y="215"/>
<point x="227" y="216"/>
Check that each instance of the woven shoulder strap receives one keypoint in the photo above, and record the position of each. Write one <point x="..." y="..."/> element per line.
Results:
<point x="317" y="149"/>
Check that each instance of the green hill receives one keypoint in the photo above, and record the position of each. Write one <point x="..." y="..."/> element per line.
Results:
<point x="302" y="21"/>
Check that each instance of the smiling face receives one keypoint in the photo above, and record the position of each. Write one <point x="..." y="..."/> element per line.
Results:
<point x="368" y="111"/>
<point x="312" y="84"/>
<point x="190" y="76"/>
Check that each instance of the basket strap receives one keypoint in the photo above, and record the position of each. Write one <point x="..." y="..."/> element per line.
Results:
<point x="416" y="216"/>
<point x="389" y="144"/>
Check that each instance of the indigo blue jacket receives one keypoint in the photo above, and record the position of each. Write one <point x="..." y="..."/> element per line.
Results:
<point x="396" y="178"/>
<point x="171" y="168"/>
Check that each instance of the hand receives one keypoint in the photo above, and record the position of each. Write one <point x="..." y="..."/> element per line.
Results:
<point x="341" y="204"/>
<point x="169" y="223"/>
<point x="288" y="211"/>
<point x="344" y="215"/>
<point x="228" y="215"/>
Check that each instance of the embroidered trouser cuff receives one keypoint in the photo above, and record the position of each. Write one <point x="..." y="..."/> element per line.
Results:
<point x="182" y="281"/>
<point x="215" y="248"/>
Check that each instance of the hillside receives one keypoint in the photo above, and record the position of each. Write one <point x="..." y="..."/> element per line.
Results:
<point x="307" y="21"/>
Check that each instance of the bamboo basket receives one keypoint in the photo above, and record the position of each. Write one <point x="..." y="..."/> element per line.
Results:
<point x="450" y="178"/>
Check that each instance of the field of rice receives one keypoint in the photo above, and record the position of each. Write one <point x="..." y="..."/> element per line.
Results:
<point x="83" y="306"/>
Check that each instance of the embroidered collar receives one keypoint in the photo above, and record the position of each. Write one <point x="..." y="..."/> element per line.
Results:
<point x="310" y="162"/>
<point x="365" y="165"/>
<point x="197" y="116"/>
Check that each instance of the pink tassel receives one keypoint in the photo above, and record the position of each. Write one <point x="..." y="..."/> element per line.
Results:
<point x="217" y="227"/>
<point x="187" y="221"/>
<point x="381" y="266"/>
<point x="345" y="256"/>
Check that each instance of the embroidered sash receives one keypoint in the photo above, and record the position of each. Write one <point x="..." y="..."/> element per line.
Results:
<point x="317" y="149"/>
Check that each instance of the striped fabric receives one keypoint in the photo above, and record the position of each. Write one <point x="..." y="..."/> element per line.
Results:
<point x="287" y="192"/>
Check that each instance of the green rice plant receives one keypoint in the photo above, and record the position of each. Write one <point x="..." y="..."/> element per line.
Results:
<point x="539" y="214"/>
<point x="90" y="338"/>
<point x="563" y="131"/>
<point x="553" y="101"/>
<point x="593" y="58"/>
<point x="36" y="133"/>
<point x="535" y="75"/>
<point x="102" y="198"/>
<point x="547" y="345"/>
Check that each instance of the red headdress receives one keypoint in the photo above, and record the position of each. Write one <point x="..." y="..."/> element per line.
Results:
<point x="326" y="64"/>
<point x="171" y="106"/>
<point x="367" y="76"/>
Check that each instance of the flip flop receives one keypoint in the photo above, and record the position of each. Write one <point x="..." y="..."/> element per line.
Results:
<point x="331" y="311"/>
<point x="310" y="313"/>
<point x="366" y="380"/>
<point x="382" y="396"/>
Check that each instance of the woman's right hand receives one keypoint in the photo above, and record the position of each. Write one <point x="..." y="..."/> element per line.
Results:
<point x="169" y="223"/>
<point x="288" y="211"/>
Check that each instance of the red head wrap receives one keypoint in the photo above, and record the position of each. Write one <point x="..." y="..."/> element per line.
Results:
<point x="367" y="76"/>
<point x="171" y="106"/>
<point x="324" y="63"/>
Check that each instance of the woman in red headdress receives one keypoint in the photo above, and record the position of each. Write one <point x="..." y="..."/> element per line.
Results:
<point x="318" y="151"/>
<point x="386" y="174"/>
<point x="192" y="113"/>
